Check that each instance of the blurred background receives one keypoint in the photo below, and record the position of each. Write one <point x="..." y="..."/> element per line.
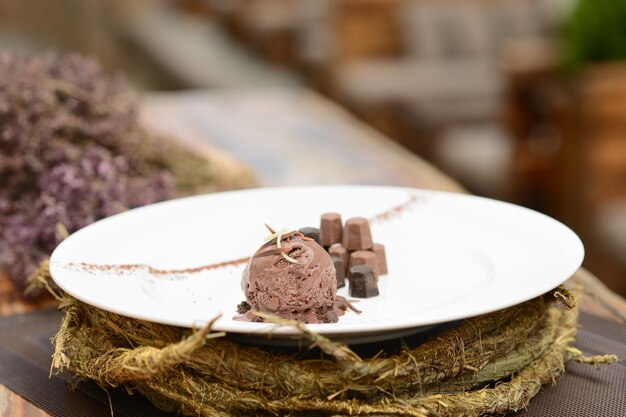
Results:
<point x="520" y="100"/>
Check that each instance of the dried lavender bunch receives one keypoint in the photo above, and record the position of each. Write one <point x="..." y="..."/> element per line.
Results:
<point x="71" y="152"/>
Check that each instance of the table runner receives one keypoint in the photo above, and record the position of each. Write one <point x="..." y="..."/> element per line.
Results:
<point x="25" y="352"/>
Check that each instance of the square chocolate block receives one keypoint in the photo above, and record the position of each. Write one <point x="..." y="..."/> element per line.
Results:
<point x="363" y="282"/>
<point x="331" y="230"/>
<point x="381" y="259"/>
<point x="357" y="234"/>
<point x="364" y="257"/>
<point x="340" y="252"/>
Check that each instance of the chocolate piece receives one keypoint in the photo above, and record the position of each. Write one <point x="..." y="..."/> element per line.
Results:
<point x="243" y="307"/>
<point x="357" y="234"/>
<point x="381" y="259"/>
<point x="331" y="230"/>
<point x="364" y="257"/>
<point x="340" y="252"/>
<point x="363" y="282"/>
<point x="312" y="233"/>
<point x="341" y="271"/>
<point x="329" y="317"/>
<point x="326" y="315"/>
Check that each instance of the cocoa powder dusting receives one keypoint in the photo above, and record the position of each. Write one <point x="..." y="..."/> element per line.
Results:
<point x="156" y="271"/>
<point x="394" y="211"/>
<point x="379" y="218"/>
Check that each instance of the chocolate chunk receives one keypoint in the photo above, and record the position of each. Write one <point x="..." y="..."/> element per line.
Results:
<point x="340" y="270"/>
<point x="340" y="252"/>
<point x="364" y="257"/>
<point x="363" y="282"/>
<point x="357" y="234"/>
<point x="243" y="307"/>
<point x="312" y="233"/>
<point x="331" y="230"/>
<point x="330" y="317"/>
<point x="381" y="259"/>
<point x="326" y="314"/>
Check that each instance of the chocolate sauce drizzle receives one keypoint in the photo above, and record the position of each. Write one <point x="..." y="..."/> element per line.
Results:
<point x="385" y="216"/>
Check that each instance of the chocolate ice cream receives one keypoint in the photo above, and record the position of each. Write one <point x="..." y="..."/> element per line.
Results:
<point x="292" y="277"/>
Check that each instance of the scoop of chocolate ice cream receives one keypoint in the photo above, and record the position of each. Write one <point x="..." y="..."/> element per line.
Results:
<point x="303" y="290"/>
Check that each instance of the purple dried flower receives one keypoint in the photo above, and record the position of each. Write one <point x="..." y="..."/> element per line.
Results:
<point x="71" y="152"/>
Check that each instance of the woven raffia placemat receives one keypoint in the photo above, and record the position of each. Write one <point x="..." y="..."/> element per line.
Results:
<point x="491" y="364"/>
<point x="25" y="352"/>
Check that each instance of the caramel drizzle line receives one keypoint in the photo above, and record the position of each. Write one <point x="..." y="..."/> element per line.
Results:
<point x="381" y="217"/>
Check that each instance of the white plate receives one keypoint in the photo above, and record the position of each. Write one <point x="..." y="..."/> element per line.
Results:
<point x="450" y="256"/>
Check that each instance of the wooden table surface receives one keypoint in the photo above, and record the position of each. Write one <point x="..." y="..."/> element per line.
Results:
<point x="288" y="137"/>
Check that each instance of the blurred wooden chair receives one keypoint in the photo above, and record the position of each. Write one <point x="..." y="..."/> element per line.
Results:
<point x="314" y="36"/>
<point x="366" y="29"/>
<point x="284" y="30"/>
<point x="453" y="79"/>
<point x="335" y="32"/>
<point x="448" y="85"/>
